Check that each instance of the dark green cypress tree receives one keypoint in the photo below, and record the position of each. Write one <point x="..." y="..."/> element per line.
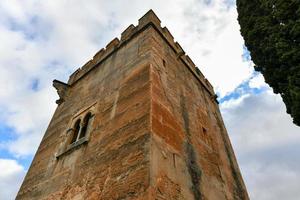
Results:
<point x="271" y="30"/>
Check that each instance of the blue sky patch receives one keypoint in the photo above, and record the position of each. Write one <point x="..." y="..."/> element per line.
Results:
<point x="35" y="84"/>
<point x="33" y="28"/>
<point x="27" y="31"/>
<point x="8" y="134"/>
<point x="246" y="54"/>
<point x="229" y="3"/>
<point x="25" y="161"/>
<point x="243" y="89"/>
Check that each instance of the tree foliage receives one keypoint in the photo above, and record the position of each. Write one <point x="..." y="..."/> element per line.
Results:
<point x="271" y="30"/>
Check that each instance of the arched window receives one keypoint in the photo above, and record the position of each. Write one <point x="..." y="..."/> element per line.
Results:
<point x="76" y="129"/>
<point x="86" y="122"/>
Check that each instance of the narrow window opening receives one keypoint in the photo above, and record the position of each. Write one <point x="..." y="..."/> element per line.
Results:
<point x="206" y="137"/>
<point x="164" y="63"/>
<point x="86" y="122"/>
<point x="76" y="129"/>
<point x="204" y="131"/>
<point x="174" y="160"/>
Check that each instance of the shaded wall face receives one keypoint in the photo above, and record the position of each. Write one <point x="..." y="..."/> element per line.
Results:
<point x="114" y="161"/>
<point x="191" y="155"/>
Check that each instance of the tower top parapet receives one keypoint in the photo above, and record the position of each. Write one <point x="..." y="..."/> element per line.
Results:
<point x="149" y="19"/>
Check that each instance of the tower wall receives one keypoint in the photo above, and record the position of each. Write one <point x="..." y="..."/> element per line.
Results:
<point x="191" y="155"/>
<point x="155" y="130"/>
<point x="116" y="156"/>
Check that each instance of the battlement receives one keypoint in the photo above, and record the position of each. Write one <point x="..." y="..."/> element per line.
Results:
<point x="135" y="121"/>
<point x="149" y="19"/>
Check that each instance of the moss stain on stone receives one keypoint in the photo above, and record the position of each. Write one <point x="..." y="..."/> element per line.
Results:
<point x="191" y="161"/>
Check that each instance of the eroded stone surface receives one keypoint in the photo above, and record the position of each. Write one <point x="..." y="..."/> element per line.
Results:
<point x="156" y="131"/>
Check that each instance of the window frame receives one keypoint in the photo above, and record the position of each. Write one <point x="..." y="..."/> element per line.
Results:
<point x="83" y="119"/>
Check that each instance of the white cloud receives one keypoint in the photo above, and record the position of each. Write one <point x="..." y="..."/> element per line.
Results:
<point x="214" y="42"/>
<point x="11" y="176"/>
<point x="259" y="120"/>
<point x="266" y="143"/>
<point x="36" y="34"/>
<point x="231" y="103"/>
<point x="272" y="179"/>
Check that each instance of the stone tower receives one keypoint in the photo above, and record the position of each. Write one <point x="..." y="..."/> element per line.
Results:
<point x="138" y="121"/>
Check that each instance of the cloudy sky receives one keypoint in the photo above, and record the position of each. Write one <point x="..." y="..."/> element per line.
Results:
<point x="45" y="40"/>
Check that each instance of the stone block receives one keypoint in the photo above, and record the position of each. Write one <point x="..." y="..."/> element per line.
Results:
<point x="149" y="17"/>
<point x="128" y="32"/>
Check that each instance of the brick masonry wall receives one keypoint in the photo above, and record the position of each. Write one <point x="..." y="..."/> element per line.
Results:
<point x="191" y="155"/>
<point x="156" y="131"/>
<point x="116" y="158"/>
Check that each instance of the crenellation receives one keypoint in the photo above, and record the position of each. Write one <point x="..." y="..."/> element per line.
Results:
<point x="80" y="72"/>
<point x="168" y="35"/>
<point x="128" y="32"/>
<point x="179" y="49"/>
<point x="99" y="55"/>
<point x="72" y="77"/>
<point x="149" y="17"/>
<point x="211" y="88"/>
<point x="112" y="45"/>
<point x="199" y="72"/>
<point x="87" y="66"/>
<point x="190" y="62"/>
